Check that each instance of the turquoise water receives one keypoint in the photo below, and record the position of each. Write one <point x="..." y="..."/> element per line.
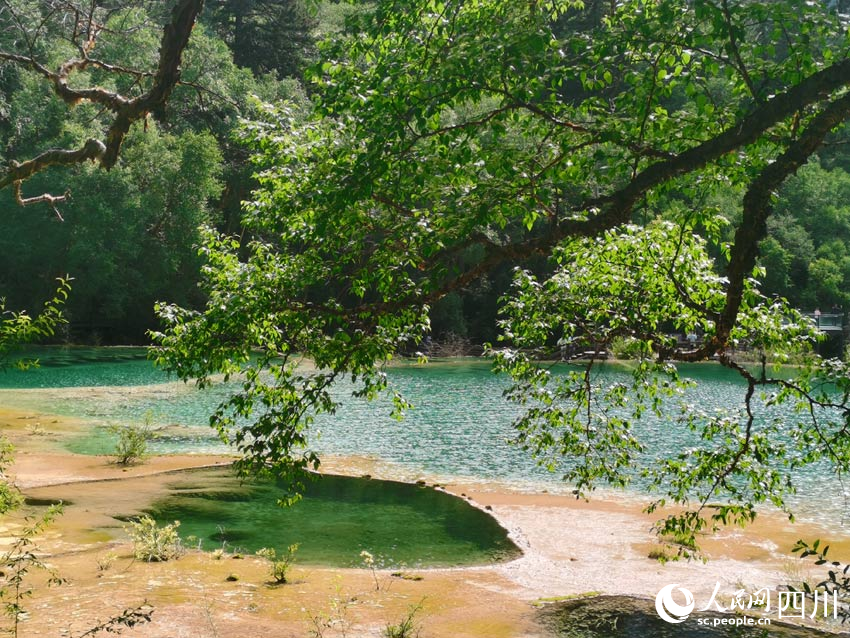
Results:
<point x="459" y="429"/>
<point x="398" y="523"/>
<point x="80" y="366"/>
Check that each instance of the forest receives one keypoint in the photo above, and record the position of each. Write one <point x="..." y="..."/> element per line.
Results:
<point x="298" y="205"/>
<point x="249" y="184"/>
<point x="130" y="237"/>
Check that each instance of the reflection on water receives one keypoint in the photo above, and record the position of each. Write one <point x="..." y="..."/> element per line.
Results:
<point x="459" y="429"/>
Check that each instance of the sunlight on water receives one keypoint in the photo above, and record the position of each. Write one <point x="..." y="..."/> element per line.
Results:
<point x="459" y="430"/>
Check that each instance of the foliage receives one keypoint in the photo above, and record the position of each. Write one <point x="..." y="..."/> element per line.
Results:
<point x="18" y="562"/>
<point x="130" y="617"/>
<point x="104" y="563"/>
<point x="10" y="497"/>
<point x="335" y="621"/>
<point x="117" y="96"/>
<point x="153" y="543"/>
<point x="407" y="626"/>
<point x="451" y="139"/>
<point x="806" y="258"/>
<point x="278" y="565"/>
<point x="626" y="348"/>
<point x="128" y="235"/>
<point x="575" y="422"/>
<point x="20" y="559"/>
<point x="18" y="328"/>
<point x="132" y="444"/>
<point x="265" y="35"/>
<point x="837" y="582"/>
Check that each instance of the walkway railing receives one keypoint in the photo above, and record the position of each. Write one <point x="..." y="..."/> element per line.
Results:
<point x="827" y="320"/>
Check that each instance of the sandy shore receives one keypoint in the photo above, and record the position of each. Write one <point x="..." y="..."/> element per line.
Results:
<point x="570" y="548"/>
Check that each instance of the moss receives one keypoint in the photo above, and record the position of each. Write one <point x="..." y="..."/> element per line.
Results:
<point x="559" y="599"/>
<point x="407" y="576"/>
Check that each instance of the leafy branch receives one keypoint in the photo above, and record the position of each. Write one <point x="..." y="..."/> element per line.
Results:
<point x="837" y="581"/>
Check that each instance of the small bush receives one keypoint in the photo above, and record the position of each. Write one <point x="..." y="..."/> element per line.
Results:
<point x="407" y="627"/>
<point x="105" y="561"/>
<point x="132" y="443"/>
<point x="152" y="543"/>
<point x="661" y="554"/>
<point x="278" y="566"/>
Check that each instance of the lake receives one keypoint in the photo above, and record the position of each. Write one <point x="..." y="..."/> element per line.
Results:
<point x="459" y="430"/>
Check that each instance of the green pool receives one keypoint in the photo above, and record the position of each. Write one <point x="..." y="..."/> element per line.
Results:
<point x="400" y="524"/>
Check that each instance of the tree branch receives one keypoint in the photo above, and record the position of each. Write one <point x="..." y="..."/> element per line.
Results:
<point x="758" y="206"/>
<point x="92" y="150"/>
<point x="127" y="110"/>
<point x="175" y="37"/>
<point x="613" y="209"/>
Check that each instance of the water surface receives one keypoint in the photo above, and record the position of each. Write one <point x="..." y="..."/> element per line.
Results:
<point x="399" y="524"/>
<point x="459" y="430"/>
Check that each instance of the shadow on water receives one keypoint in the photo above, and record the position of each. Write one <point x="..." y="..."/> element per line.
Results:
<point x="627" y="617"/>
<point x="399" y="523"/>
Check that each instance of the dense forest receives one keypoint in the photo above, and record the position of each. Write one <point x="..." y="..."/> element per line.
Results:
<point x="130" y="236"/>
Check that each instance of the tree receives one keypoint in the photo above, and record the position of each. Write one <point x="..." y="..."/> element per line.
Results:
<point x="128" y="234"/>
<point x="128" y="93"/>
<point x="265" y="35"/>
<point x="443" y="127"/>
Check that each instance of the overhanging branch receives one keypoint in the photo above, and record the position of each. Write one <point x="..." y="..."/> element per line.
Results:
<point x="127" y="110"/>
<point x="614" y="209"/>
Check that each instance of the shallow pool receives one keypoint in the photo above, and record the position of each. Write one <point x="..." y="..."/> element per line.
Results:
<point x="400" y="524"/>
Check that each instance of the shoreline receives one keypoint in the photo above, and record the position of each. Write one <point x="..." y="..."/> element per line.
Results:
<point x="570" y="548"/>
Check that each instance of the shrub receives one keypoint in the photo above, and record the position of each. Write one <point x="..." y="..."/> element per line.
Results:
<point x="153" y="543"/>
<point x="105" y="561"/>
<point x="407" y="626"/>
<point x="10" y="497"/>
<point x="132" y="441"/>
<point x="278" y="566"/>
